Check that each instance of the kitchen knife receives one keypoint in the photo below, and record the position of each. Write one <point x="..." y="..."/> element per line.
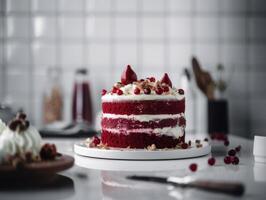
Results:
<point x="230" y="188"/>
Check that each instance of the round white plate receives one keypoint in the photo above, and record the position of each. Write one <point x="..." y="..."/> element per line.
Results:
<point x="142" y="154"/>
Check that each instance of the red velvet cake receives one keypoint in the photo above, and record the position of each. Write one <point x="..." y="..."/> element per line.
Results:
<point x="143" y="113"/>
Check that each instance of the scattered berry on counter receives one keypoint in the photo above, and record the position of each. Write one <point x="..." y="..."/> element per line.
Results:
<point x="234" y="160"/>
<point x="211" y="161"/>
<point x="231" y="152"/>
<point x="238" y="148"/>
<point x="193" y="167"/>
<point x="227" y="160"/>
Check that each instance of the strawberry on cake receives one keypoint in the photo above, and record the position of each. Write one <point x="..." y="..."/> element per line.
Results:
<point x="143" y="113"/>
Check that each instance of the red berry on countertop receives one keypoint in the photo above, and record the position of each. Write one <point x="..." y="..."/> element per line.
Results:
<point x="128" y="76"/>
<point x="238" y="148"/>
<point x="104" y="92"/>
<point x="159" y="90"/>
<point x="95" y="140"/>
<point x="235" y="160"/>
<point x="193" y="167"/>
<point x="226" y="143"/>
<point x="166" y="80"/>
<point x="227" y="160"/>
<point x="211" y="161"/>
<point x="181" y="91"/>
<point x="231" y="152"/>
<point x="165" y="88"/>
<point x="137" y="91"/>
<point x="184" y="145"/>
<point x="147" y="90"/>
<point x="119" y="92"/>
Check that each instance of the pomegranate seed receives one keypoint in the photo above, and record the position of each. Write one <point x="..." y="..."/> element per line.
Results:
<point x="114" y="90"/>
<point x="181" y="91"/>
<point x="104" y="92"/>
<point x="211" y="161"/>
<point x="152" y="79"/>
<point x="165" y="88"/>
<point x="193" y="167"/>
<point x="238" y="148"/>
<point x="235" y="160"/>
<point x="147" y="90"/>
<point x="206" y="139"/>
<point x="184" y="145"/>
<point x="159" y="91"/>
<point x="119" y="92"/>
<point x="227" y="160"/>
<point x="226" y="143"/>
<point x="231" y="152"/>
<point x="96" y="140"/>
<point x="137" y="91"/>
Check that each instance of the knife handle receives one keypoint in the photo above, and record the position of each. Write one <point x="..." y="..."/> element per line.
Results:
<point x="232" y="188"/>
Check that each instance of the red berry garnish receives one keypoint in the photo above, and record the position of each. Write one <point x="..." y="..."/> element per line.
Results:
<point x="231" y="152"/>
<point x="95" y="140"/>
<point x="152" y="79"/>
<point x="165" y="88"/>
<point x="128" y="76"/>
<point x="238" y="148"/>
<point x="147" y="90"/>
<point x="227" y="160"/>
<point x="159" y="90"/>
<point x="193" y="167"/>
<point x="226" y="143"/>
<point x="137" y="91"/>
<point x="235" y="160"/>
<point x="114" y="90"/>
<point x="181" y="91"/>
<point x="166" y="80"/>
<point x="48" y="152"/>
<point x="104" y="92"/>
<point x="141" y="80"/>
<point x="119" y="92"/>
<point x="211" y="161"/>
<point x="184" y="145"/>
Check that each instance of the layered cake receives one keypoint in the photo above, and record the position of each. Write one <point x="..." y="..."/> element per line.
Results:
<point x="145" y="113"/>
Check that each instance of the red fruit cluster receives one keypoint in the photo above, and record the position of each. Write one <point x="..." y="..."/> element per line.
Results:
<point x="48" y="152"/>
<point x="231" y="160"/>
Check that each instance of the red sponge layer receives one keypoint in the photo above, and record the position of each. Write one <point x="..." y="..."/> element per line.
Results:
<point x="139" y="140"/>
<point x="121" y="123"/>
<point x="144" y="107"/>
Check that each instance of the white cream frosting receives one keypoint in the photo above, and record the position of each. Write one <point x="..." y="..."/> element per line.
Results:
<point x="143" y="118"/>
<point x="2" y="126"/>
<point x="12" y="142"/>
<point x="176" y="131"/>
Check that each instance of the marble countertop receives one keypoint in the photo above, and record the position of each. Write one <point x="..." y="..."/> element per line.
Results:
<point x="105" y="179"/>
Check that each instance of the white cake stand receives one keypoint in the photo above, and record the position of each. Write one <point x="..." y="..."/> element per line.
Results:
<point x="142" y="154"/>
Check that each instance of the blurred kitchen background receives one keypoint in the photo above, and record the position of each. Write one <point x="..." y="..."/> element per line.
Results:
<point x="154" y="36"/>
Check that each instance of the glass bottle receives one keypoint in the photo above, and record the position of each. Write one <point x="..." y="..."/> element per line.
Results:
<point x="53" y="96"/>
<point x="81" y="102"/>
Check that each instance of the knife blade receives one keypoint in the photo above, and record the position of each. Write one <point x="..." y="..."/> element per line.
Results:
<point x="230" y="188"/>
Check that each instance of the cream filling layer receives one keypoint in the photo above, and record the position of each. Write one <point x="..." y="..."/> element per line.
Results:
<point x="141" y="97"/>
<point x="142" y="118"/>
<point x="176" y="131"/>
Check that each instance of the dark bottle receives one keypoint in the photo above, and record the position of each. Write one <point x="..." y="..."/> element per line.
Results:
<point x="81" y="103"/>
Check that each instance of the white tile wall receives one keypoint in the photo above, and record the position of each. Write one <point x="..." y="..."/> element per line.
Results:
<point x="153" y="36"/>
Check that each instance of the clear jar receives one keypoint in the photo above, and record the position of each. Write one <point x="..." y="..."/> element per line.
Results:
<point x="53" y="96"/>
